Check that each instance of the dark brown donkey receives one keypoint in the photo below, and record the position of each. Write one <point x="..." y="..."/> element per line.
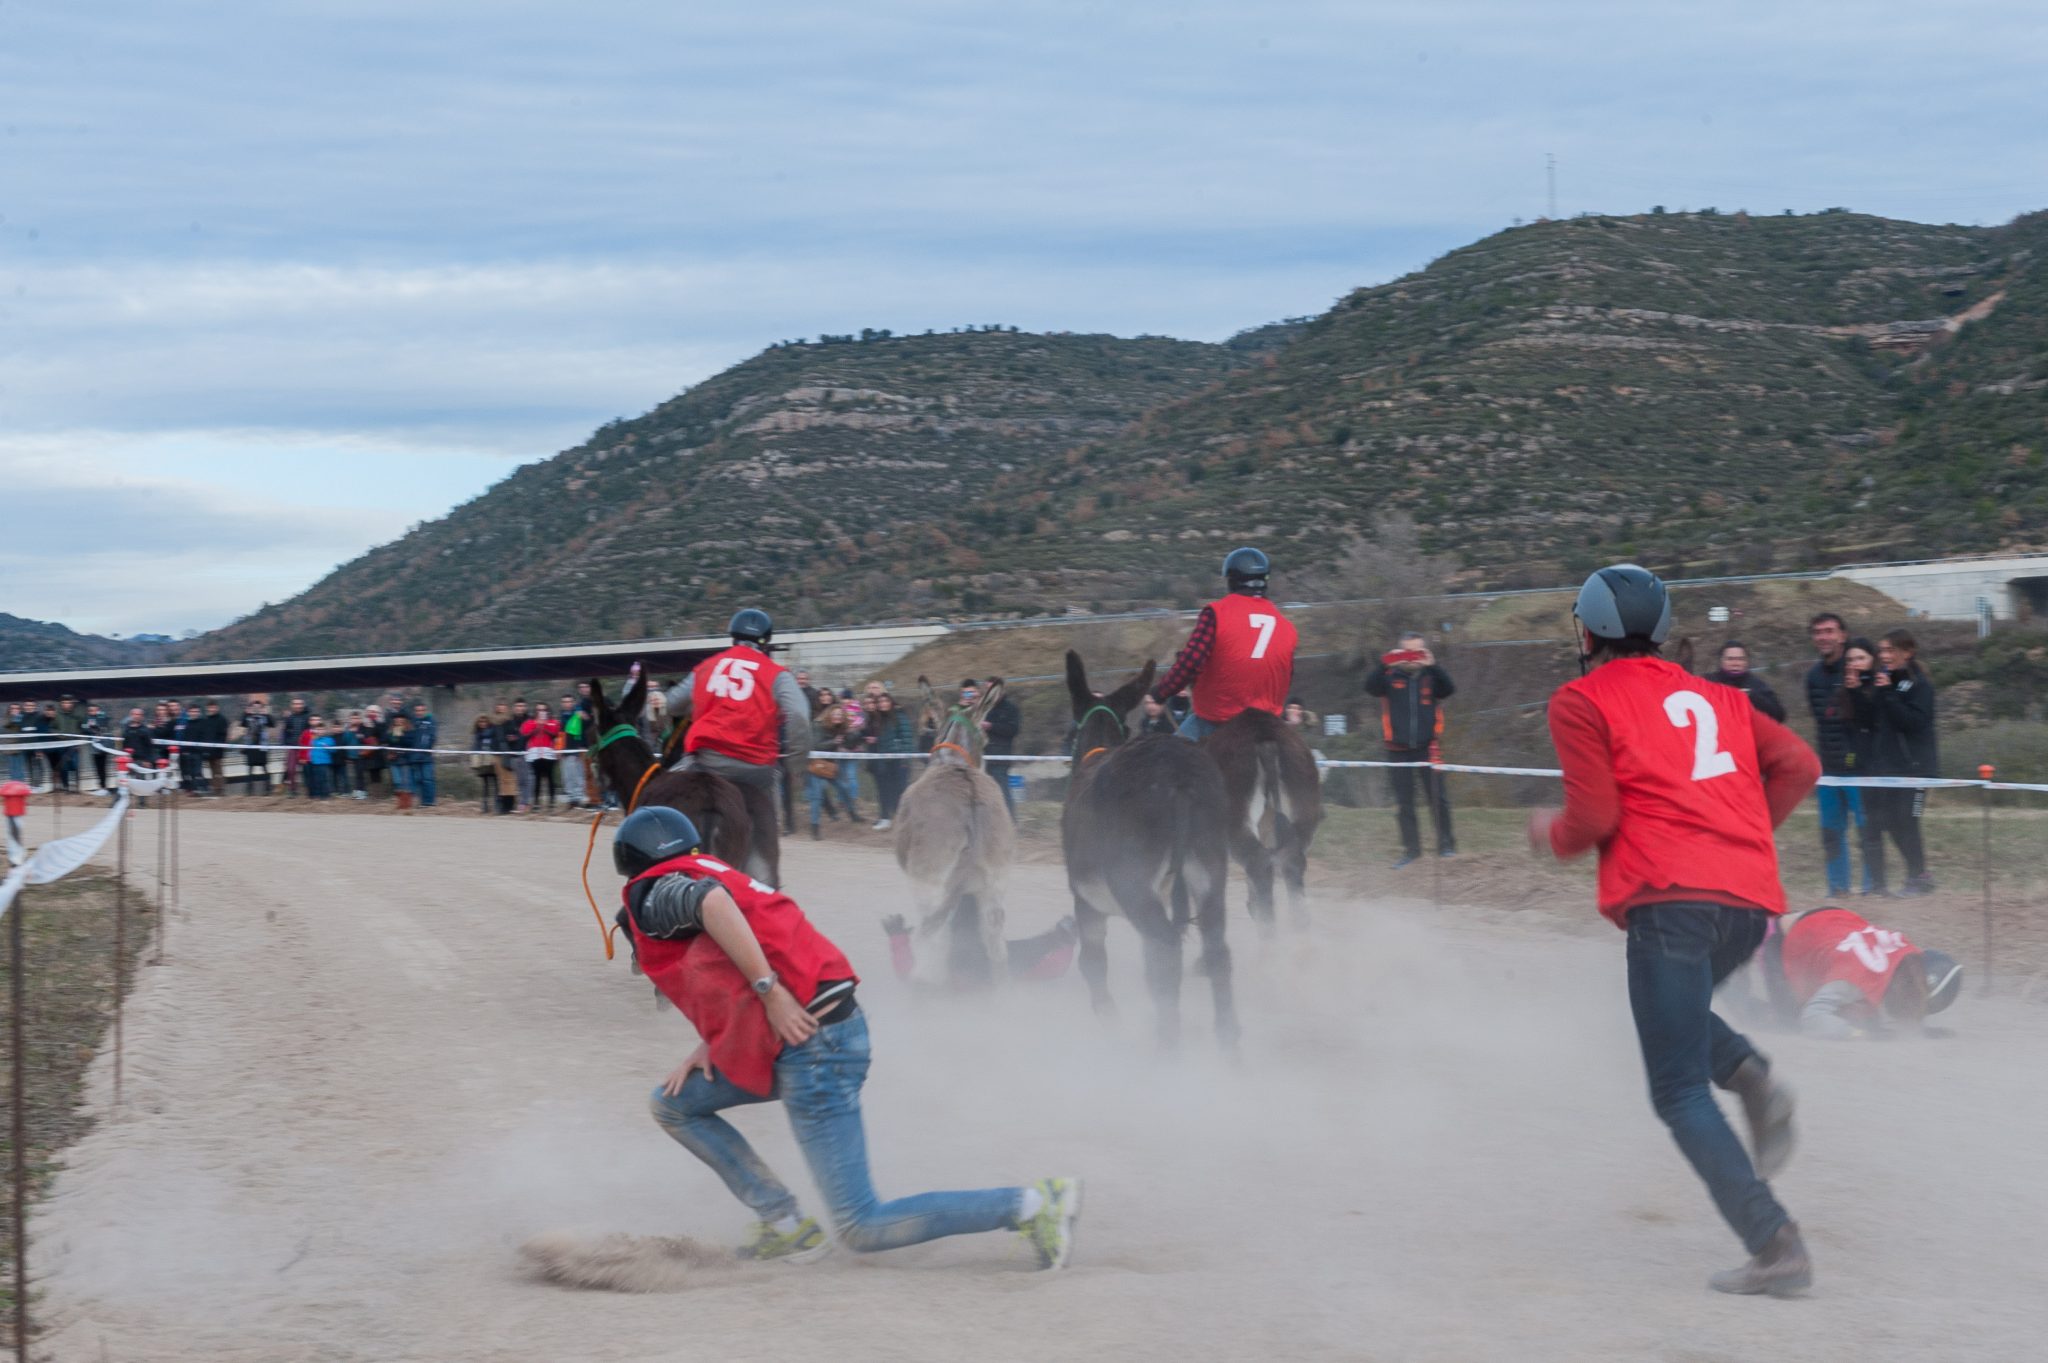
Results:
<point x="1146" y="831"/>
<point x="1276" y="801"/>
<point x="717" y="806"/>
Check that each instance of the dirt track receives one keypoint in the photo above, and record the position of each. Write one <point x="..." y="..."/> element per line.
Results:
<point x="383" y="1054"/>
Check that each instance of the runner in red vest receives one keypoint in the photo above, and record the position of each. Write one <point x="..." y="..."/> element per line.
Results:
<point x="773" y="1001"/>
<point x="1240" y="655"/>
<point x="1836" y="975"/>
<point x="1679" y="783"/>
<point x="745" y="714"/>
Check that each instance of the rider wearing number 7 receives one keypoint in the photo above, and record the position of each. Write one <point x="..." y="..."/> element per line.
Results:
<point x="1240" y="655"/>
<point x="744" y="714"/>
<point x="1679" y="783"/>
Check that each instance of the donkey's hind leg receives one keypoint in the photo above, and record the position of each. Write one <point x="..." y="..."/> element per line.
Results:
<point x="1162" y="977"/>
<point x="1258" y="876"/>
<point x="1212" y="917"/>
<point x="764" y="855"/>
<point x="1093" y="927"/>
<point x="1293" y="861"/>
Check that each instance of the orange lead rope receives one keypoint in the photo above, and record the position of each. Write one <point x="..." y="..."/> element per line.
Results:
<point x="608" y="930"/>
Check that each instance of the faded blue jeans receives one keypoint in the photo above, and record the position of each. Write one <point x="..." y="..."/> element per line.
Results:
<point x="1196" y="728"/>
<point x="1839" y="807"/>
<point x="1677" y="954"/>
<point x="818" y="1084"/>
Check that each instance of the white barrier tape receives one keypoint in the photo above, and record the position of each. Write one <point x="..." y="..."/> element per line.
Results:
<point x="341" y="747"/>
<point x="1447" y="766"/>
<point x="55" y="860"/>
<point x="921" y="756"/>
<point x="2011" y="785"/>
<point x="8" y="745"/>
<point x="1895" y="782"/>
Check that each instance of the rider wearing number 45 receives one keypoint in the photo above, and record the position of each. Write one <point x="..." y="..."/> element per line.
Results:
<point x="1680" y="783"/>
<point x="745" y="713"/>
<point x="1240" y="655"/>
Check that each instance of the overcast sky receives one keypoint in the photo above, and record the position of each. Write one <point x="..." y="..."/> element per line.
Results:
<point x="279" y="279"/>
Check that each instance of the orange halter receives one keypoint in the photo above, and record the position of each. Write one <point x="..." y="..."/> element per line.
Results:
<point x="965" y="756"/>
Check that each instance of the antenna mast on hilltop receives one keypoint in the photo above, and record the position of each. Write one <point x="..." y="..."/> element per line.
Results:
<point x="1550" y="171"/>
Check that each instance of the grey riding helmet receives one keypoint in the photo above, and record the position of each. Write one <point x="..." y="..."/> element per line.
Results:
<point x="1944" y="979"/>
<point x="1624" y="601"/>
<point x="751" y="625"/>
<point x="1246" y="569"/>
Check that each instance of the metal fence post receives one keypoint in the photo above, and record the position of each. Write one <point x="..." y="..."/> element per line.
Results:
<point x="16" y="796"/>
<point x="1986" y="773"/>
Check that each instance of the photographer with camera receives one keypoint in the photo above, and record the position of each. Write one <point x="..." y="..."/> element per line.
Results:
<point x="1411" y="690"/>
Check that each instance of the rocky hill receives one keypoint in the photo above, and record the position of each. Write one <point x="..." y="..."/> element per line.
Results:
<point x="781" y="479"/>
<point x="1707" y="393"/>
<point x="36" y="644"/>
<point x="1701" y="391"/>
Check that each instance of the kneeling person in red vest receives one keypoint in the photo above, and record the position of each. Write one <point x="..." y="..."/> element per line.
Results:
<point x="773" y="1000"/>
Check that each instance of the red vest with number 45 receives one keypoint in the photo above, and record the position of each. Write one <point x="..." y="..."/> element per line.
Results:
<point x="732" y="707"/>
<point x="1693" y="812"/>
<point x="1251" y="664"/>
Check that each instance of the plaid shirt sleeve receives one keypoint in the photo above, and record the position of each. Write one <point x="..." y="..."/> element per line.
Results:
<point x="1188" y="663"/>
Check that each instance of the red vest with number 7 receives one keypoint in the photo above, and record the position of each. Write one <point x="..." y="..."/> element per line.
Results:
<point x="1693" y="812"/>
<point x="1250" y="665"/>
<point x="732" y="707"/>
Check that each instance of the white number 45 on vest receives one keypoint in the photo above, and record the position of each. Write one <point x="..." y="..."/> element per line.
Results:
<point x="733" y="678"/>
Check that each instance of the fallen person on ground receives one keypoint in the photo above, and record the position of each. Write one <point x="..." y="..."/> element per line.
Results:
<point x="1835" y="975"/>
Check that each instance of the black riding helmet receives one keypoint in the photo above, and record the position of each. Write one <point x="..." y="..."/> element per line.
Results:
<point x="751" y="626"/>
<point x="1944" y="979"/>
<point x="651" y="836"/>
<point x="1245" y="570"/>
<point x="1622" y="602"/>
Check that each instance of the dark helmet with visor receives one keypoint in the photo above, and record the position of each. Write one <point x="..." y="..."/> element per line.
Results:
<point x="751" y="626"/>
<point x="1245" y="570"/>
<point x="651" y="836"/>
<point x="1624" y="602"/>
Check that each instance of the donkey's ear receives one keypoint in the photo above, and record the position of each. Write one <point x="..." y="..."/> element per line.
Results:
<point x="988" y="701"/>
<point x="635" y="699"/>
<point x="1126" y="697"/>
<point x="1077" y="684"/>
<point x="927" y="698"/>
<point x="604" y="706"/>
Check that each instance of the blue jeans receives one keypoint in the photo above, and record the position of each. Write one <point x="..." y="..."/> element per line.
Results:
<point x="818" y="1084"/>
<point x="1839" y="806"/>
<point x="423" y="781"/>
<point x="1677" y="954"/>
<point x="816" y="786"/>
<point x="1195" y="727"/>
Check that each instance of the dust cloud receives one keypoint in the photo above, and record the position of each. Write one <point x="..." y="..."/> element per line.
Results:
<point x="362" y="1082"/>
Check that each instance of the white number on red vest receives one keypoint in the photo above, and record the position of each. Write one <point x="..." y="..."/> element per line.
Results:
<point x="1872" y="947"/>
<point x="1264" y="625"/>
<point x="733" y="678"/>
<point x="1690" y="710"/>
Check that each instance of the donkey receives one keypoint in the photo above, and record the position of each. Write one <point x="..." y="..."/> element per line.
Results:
<point x="955" y="841"/>
<point x="1276" y="801"/>
<point x="623" y="759"/>
<point x="1146" y="831"/>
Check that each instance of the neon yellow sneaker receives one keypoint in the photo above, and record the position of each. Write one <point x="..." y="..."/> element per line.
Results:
<point x="1051" y="1231"/>
<point x="800" y="1246"/>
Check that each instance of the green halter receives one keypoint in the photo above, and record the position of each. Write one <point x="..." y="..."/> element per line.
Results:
<point x="1082" y="723"/>
<point x="614" y="734"/>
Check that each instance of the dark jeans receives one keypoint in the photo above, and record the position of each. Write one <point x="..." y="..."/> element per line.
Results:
<point x="1405" y="780"/>
<point x="999" y="772"/>
<point x="1677" y="954"/>
<point x="1893" y="813"/>
<point x="318" y="786"/>
<point x="891" y="779"/>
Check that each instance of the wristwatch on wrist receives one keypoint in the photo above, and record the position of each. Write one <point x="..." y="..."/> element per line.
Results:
<point x="766" y="984"/>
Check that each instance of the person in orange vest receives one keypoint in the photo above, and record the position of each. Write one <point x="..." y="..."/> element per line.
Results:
<point x="1412" y="689"/>
<point x="773" y="1001"/>
<point x="1240" y="655"/>
<point x="746" y="714"/>
<point x="1680" y="784"/>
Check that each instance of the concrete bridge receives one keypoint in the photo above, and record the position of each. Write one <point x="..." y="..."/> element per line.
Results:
<point x="1997" y="586"/>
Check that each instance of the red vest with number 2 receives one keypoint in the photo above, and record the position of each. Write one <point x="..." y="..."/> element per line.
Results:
<point x="732" y="707"/>
<point x="1250" y="665"/>
<point x="1832" y="944"/>
<point x="698" y="977"/>
<point x="1693" y="812"/>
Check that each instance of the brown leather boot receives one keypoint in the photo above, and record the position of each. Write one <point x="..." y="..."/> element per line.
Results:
<point x="1767" y="1103"/>
<point x="1780" y="1269"/>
